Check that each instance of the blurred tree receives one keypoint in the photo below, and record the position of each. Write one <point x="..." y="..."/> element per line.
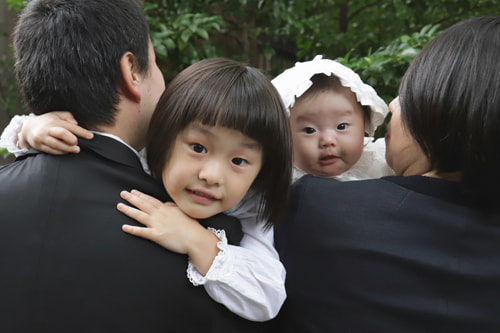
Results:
<point x="273" y="34"/>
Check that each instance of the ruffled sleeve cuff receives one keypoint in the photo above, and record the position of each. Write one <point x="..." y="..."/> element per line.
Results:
<point x="9" y="137"/>
<point x="218" y="266"/>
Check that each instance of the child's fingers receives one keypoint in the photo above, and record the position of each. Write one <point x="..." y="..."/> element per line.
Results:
<point x="63" y="122"/>
<point x="137" y="231"/>
<point x="140" y="200"/>
<point x="55" y="146"/>
<point x="63" y="135"/>
<point x="147" y="198"/>
<point x="78" y="131"/>
<point x="66" y="116"/>
<point x="133" y="213"/>
<point x="63" y="139"/>
<point x="56" y="151"/>
<point x="55" y="140"/>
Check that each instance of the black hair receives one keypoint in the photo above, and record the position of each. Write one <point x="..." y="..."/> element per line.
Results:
<point x="450" y="102"/>
<point x="68" y="55"/>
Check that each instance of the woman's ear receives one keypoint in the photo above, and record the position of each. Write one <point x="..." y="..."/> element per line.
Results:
<point x="130" y="78"/>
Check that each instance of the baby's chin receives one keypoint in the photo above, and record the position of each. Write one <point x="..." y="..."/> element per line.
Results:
<point x="325" y="172"/>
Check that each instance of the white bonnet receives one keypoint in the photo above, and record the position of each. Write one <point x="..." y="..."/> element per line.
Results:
<point x="293" y="82"/>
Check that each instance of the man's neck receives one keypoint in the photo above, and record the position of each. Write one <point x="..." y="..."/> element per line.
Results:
<point x="120" y="133"/>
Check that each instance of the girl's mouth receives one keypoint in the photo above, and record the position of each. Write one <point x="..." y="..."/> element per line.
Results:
<point x="202" y="197"/>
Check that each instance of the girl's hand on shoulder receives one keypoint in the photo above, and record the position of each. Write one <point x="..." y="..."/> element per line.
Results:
<point x="53" y="133"/>
<point x="165" y="224"/>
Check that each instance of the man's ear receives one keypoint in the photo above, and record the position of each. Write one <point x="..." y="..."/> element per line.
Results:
<point x="130" y="77"/>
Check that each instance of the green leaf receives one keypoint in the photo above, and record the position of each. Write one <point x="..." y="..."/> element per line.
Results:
<point x="185" y="35"/>
<point x="203" y="33"/>
<point x="268" y="52"/>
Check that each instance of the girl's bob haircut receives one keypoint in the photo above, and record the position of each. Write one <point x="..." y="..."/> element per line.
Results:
<point x="223" y="92"/>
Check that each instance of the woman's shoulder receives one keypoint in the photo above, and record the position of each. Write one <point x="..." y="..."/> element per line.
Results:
<point x="331" y="181"/>
<point x="331" y="186"/>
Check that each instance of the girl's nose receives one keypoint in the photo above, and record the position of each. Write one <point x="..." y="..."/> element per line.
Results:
<point x="212" y="173"/>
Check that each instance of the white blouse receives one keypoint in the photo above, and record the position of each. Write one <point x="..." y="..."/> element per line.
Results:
<point x="248" y="279"/>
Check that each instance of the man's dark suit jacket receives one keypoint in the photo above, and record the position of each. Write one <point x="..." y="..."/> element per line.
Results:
<point x="397" y="254"/>
<point x="66" y="266"/>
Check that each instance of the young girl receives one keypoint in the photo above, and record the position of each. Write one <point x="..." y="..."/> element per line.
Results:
<point x="219" y="140"/>
<point x="333" y="116"/>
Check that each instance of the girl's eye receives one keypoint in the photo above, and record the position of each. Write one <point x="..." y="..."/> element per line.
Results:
<point x="238" y="161"/>
<point x="309" y="130"/>
<point x="198" y="148"/>
<point x="342" y="126"/>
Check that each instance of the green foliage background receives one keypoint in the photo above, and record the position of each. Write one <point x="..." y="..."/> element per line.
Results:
<point x="376" y="38"/>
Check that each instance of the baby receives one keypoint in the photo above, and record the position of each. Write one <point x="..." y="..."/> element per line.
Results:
<point x="333" y="116"/>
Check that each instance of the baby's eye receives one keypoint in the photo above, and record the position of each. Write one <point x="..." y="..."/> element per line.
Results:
<point x="309" y="130"/>
<point x="238" y="161"/>
<point x="198" y="148"/>
<point x="342" y="127"/>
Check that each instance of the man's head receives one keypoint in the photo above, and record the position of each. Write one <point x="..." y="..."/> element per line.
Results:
<point x="68" y="55"/>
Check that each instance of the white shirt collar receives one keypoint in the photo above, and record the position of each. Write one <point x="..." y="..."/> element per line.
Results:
<point x="112" y="136"/>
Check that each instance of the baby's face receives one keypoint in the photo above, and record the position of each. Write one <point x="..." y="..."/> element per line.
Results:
<point x="328" y="133"/>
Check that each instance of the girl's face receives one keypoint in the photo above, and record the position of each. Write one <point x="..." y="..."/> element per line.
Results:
<point x="210" y="169"/>
<point x="328" y="133"/>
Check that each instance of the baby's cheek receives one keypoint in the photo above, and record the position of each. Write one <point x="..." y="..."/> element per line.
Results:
<point x="301" y="156"/>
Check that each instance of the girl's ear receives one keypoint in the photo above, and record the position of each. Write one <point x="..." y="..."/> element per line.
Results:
<point x="130" y="78"/>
